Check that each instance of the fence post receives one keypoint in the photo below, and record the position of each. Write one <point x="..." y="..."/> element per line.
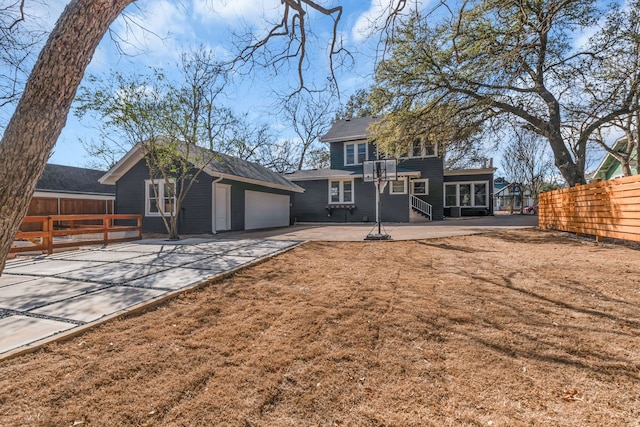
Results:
<point x="139" y="226"/>
<point x="105" y="229"/>
<point x="49" y="227"/>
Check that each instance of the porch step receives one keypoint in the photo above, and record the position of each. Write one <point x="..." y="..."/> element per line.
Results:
<point x="415" y="216"/>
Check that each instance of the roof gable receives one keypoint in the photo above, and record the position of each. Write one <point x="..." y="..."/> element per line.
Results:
<point x="349" y="129"/>
<point x="609" y="161"/>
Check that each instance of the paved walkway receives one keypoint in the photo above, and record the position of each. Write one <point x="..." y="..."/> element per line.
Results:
<point x="43" y="298"/>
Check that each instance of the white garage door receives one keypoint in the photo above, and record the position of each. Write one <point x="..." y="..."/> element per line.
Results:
<point x="262" y="210"/>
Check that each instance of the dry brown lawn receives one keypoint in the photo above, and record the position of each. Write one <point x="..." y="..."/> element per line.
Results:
<point x="516" y="328"/>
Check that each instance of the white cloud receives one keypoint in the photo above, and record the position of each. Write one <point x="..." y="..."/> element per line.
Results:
<point x="154" y="30"/>
<point x="238" y="12"/>
<point x="373" y="19"/>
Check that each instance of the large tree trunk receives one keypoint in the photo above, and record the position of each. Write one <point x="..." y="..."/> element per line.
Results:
<point x="42" y="111"/>
<point x="571" y="171"/>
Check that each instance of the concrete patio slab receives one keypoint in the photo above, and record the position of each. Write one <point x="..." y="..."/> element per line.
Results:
<point x="174" y="278"/>
<point x="44" y="295"/>
<point x="50" y="267"/>
<point x="112" y="273"/>
<point x="221" y="263"/>
<point x="142" y="247"/>
<point x="168" y="259"/>
<point x="93" y="306"/>
<point x="18" y="331"/>
<point x="11" y="279"/>
<point x="97" y="255"/>
<point x="41" y="291"/>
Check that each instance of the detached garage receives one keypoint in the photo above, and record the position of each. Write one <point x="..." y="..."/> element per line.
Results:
<point x="264" y="210"/>
<point x="230" y="194"/>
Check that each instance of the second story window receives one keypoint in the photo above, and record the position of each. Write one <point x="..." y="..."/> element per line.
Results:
<point x="355" y="153"/>
<point x="421" y="148"/>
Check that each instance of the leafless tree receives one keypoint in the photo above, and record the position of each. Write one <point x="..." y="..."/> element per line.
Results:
<point x="310" y="114"/>
<point x="46" y="99"/>
<point x="527" y="161"/>
<point x="17" y="44"/>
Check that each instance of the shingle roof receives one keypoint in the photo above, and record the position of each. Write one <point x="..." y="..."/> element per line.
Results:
<point x="213" y="163"/>
<point x="70" y="179"/>
<point x="319" y="174"/>
<point x="349" y="129"/>
<point x="229" y="165"/>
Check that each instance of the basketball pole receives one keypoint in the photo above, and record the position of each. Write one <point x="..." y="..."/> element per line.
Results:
<point x="378" y="178"/>
<point x="378" y="205"/>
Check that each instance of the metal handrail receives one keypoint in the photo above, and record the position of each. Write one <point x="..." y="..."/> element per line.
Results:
<point x="421" y="206"/>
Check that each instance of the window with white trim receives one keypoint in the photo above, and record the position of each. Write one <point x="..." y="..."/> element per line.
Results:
<point x="355" y="153"/>
<point x="341" y="191"/>
<point x="165" y="203"/>
<point x="421" y="148"/>
<point x="398" y="187"/>
<point x="419" y="187"/>
<point x="466" y="194"/>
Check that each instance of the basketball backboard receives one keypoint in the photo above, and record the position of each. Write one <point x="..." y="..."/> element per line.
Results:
<point x="379" y="169"/>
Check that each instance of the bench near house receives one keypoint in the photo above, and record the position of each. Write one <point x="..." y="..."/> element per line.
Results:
<point x="339" y="194"/>
<point x="230" y="194"/>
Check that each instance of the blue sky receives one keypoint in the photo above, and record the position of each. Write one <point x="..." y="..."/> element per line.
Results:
<point x="156" y="32"/>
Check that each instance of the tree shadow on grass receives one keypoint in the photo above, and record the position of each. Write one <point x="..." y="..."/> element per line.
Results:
<point x="517" y="322"/>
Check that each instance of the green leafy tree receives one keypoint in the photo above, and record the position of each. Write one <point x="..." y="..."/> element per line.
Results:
<point x="483" y="63"/>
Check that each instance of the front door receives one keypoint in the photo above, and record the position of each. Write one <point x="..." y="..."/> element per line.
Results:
<point x="222" y="207"/>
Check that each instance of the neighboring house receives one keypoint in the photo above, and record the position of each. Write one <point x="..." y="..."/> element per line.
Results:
<point x="510" y="194"/>
<point x="610" y="167"/>
<point x="230" y="194"/>
<point x="423" y="191"/>
<point x="68" y="190"/>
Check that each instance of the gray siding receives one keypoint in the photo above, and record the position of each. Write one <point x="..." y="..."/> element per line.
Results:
<point x="311" y="206"/>
<point x="431" y="168"/>
<point x="194" y="216"/>
<point x="336" y="151"/>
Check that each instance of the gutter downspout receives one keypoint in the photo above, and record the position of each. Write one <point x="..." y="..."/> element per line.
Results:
<point x="213" y="211"/>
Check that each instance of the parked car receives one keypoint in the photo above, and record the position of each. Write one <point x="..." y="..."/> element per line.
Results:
<point x="531" y="210"/>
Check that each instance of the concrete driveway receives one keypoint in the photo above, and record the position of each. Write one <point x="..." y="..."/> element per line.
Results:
<point x="46" y="297"/>
<point x="415" y="231"/>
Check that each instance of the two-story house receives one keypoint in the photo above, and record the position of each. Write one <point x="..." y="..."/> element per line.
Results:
<point x="423" y="191"/>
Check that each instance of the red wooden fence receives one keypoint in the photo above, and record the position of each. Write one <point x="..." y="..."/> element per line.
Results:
<point x="62" y="231"/>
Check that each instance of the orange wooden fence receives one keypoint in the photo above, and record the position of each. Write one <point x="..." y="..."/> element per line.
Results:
<point x="601" y="209"/>
<point x="63" y="231"/>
